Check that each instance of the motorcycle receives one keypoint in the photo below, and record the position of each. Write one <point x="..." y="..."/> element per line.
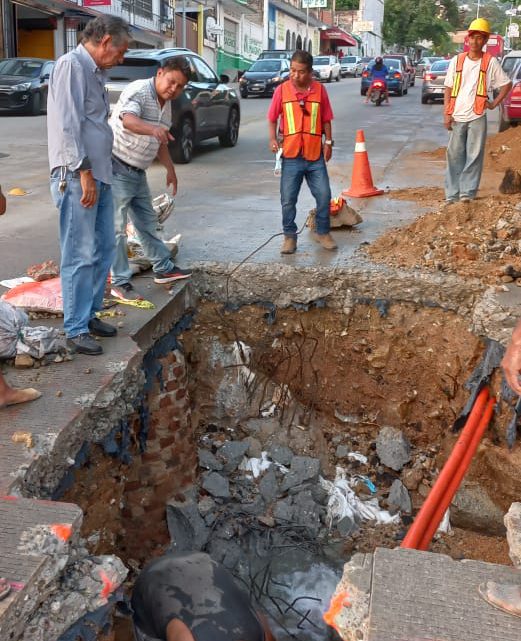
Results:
<point x="377" y="91"/>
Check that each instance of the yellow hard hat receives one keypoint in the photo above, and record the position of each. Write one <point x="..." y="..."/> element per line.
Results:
<point x="17" y="191"/>
<point x="480" y="24"/>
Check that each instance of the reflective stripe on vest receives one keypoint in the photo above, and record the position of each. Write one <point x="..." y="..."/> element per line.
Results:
<point x="481" y="92"/>
<point x="302" y="133"/>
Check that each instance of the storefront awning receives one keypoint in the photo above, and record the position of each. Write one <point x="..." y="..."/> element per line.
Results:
<point x="338" y="35"/>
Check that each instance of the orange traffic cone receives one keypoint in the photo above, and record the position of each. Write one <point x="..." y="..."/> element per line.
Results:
<point x="361" y="181"/>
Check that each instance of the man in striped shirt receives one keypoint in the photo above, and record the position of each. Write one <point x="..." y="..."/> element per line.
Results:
<point x="141" y="124"/>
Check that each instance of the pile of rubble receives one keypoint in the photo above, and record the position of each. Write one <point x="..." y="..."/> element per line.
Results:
<point x="481" y="239"/>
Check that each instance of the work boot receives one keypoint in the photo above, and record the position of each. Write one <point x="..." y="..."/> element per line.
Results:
<point x="289" y="246"/>
<point x="98" y="328"/>
<point x="84" y="344"/>
<point x="326" y="240"/>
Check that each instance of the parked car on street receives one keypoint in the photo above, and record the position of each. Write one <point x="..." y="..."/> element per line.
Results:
<point x="328" y="67"/>
<point x="433" y="81"/>
<point x="510" y="60"/>
<point x="276" y="53"/>
<point x="23" y="84"/>
<point x="351" y="66"/>
<point x="397" y="79"/>
<point x="424" y="64"/>
<point x="206" y="108"/>
<point x="510" y="108"/>
<point x="263" y="77"/>
<point x="407" y="62"/>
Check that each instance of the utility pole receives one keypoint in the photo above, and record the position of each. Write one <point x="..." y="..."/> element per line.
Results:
<point x="183" y="26"/>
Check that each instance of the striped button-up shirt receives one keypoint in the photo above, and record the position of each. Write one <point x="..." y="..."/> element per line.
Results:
<point x="140" y="99"/>
<point x="77" y="115"/>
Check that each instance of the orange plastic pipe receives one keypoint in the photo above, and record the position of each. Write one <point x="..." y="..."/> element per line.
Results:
<point x="424" y="516"/>
<point x="458" y="477"/>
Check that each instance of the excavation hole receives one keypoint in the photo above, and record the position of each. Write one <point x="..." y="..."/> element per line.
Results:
<point x="301" y="392"/>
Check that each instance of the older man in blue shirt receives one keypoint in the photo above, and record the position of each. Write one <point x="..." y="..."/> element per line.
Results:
<point x="80" y="145"/>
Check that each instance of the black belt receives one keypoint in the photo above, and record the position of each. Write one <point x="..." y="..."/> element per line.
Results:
<point x="117" y="161"/>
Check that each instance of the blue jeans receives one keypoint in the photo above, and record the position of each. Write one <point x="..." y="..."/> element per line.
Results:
<point x="294" y="170"/>
<point x="132" y="199"/>
<point x="87" y="248"/>
<point x="465" y="154"/>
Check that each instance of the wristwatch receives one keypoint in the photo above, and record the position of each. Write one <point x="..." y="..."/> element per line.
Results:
<point x="331" y="143"/>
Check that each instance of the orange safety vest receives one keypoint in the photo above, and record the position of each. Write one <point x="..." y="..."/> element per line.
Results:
<point x="302" y="129"/>
<point x="481" y="93"/>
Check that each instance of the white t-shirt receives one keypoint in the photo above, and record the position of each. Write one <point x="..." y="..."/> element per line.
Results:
<point x="464" y="107"/>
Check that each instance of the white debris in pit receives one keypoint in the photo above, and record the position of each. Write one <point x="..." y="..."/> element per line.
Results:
<point x="85" y="586"/>
<point x="444" y="527"/>
<point x="343" y="502"/>
<point x="357" y="456"/>
<point x="257" y="466"/>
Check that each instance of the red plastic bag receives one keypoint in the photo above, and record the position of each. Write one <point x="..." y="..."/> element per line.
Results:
<point x="45" y="296"/>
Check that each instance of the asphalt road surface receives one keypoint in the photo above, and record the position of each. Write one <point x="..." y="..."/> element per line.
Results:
<point x="228" y="200"/>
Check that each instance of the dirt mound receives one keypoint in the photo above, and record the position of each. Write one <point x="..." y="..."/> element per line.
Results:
<point x="481" y="239"/>
<point x="418" y="194"/>
<point x="503" y="151"/>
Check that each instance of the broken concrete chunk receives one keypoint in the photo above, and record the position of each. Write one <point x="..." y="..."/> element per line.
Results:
<point x="393" y="449"/>
<point x="283" y="511"/>
<point x="473" y="509"/>
<point x="208" y="460"/>
<point x="412" y="478"/>
<point x="23" y="361"/>
<point x="206" y="505"/>
<point x="303" y="468"/>
<point x="346" y="526"/>
<point x="399" y="497"/>
<point x="268" y="486"/>
<point x="513" y="526"/>
<point x="232" y="453"/>
<point x="186" y="526"/>
<point x="216" y="485"/>
<point x="254" y="447"/>
<point x="281" y="454"/>
<point x="342" y="451"/>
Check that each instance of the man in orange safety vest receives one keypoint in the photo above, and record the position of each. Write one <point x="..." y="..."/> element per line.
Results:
<point x="301" y="108"/>
<point x="470" y="77"/>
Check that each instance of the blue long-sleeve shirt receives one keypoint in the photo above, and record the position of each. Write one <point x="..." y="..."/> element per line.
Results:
<point x="77" y="115"/>
<point x="379" y="73"/>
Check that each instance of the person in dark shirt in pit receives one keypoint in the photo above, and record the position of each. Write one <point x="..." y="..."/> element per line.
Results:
<point x="189" y="597"/>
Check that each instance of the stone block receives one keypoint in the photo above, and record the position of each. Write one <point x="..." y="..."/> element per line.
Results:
<point x="187" y="528"/>
<point x="513" y="526"/>
<point x="393" y="449"/>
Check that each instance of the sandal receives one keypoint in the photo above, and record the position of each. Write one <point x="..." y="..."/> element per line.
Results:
<point x="502" y="596"/>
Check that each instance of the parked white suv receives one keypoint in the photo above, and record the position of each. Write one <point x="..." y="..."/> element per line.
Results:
<point x="351" y="66"/>
<point x="510" y="60"/>
<point x="327" y="67"/>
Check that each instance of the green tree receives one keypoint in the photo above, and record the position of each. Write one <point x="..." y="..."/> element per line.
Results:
<point x="407" y="22"/>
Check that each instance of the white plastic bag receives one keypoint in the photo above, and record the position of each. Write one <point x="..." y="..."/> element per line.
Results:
<point x="12" y="320"/>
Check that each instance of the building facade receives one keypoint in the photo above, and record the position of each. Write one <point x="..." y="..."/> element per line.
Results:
<point x="49" y="28"/>
<point x="229" y="34"/>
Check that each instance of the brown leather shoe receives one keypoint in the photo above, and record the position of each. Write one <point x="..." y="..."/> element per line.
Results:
<point x="289" y="246"/>
<point x="326" y="240"/>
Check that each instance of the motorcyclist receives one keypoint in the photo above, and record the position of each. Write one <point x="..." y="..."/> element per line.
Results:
<point x="378" y="71"/>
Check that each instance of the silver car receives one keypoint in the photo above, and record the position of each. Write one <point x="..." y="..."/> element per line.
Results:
<point x="327" y="67"/>
<point x="351" y="66"/>
<point x="424" y="64"/>
<point x="433" y="87"/>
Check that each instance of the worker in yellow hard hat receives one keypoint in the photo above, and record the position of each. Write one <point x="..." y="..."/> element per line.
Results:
<point x="470" y="77"/>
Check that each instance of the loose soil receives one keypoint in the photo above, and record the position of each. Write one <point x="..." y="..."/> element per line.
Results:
<point x="481" y="239"/>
